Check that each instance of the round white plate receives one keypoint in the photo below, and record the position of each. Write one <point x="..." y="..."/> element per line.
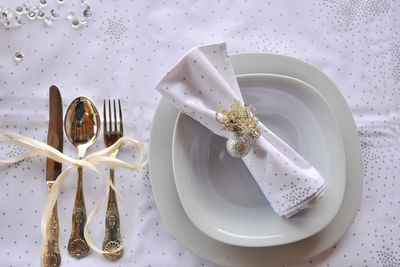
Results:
<point x="219" y="194"/>
<point x="173" y="214"/>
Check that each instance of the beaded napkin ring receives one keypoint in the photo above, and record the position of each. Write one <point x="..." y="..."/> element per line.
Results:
<point x="241" y="120"/>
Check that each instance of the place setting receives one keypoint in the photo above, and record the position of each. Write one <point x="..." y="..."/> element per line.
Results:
<point x="253" y="157"/>
<point x="199" y="134"/>
<point x="82" y="124"/>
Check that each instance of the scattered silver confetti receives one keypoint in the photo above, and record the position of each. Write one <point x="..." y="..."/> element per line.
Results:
<point x="31" y="15"/>
<point x="4" y="15"/>
<point x="19" y="10"/>
<point x="18" y="56"/>
<point x="12" y="17"/>
<point x="40" y="14"/>
<point x="43" y="2"/>
<point x="87" y="13"/>
<point x="53" y="13"/>
<point x="75" y="23"/>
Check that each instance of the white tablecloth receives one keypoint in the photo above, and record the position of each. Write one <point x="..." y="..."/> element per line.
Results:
<point x="123" y="52"/>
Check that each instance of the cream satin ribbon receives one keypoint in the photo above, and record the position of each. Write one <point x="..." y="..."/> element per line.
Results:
<point x="35" y="147"/>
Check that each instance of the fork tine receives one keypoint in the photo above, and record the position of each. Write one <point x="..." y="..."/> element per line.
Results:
<point x="104" y="116"/>
<point x="109" y="114"/>
<point x="120" y="118"/>
<point x="115" y="116"/>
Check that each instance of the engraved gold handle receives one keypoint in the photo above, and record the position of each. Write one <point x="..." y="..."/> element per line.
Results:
<point x="112" y="240"/>
<point x="77" y="245"/>
<point x="51" y="252"/>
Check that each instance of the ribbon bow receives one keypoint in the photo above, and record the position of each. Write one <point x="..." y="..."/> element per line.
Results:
<point x="35" y="147"/>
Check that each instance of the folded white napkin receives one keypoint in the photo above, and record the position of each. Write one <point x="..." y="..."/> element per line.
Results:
<point x="203" y="82"/>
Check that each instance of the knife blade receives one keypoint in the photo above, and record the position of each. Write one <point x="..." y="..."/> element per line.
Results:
<point x="55" y="132"/>
<point x="51" y="253"/>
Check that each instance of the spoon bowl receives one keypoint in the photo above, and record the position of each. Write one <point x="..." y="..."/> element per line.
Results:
<point x="82" y="123"/>
<point x="82" y="126"/>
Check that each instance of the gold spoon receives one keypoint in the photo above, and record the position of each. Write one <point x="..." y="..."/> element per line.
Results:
<point x="82" y="126"/>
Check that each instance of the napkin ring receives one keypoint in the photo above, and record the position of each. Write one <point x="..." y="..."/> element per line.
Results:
<point x="241" y="121"/>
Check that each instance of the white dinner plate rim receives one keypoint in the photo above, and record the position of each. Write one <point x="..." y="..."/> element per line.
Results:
<point x="190" y="237"/>
<point x="241" y="240"/>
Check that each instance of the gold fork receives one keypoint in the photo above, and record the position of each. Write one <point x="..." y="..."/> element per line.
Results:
<point x="112" y="240"/>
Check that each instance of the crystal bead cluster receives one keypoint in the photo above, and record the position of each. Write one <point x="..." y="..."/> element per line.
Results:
<point x="81" y="19"/>
<point x="241" y="121"/>
<point x="18" y="16"/>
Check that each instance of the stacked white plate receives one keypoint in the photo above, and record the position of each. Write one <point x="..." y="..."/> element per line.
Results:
<point x="210" y="202"/>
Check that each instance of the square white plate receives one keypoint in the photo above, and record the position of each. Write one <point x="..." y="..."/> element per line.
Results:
<point x="219" y="194"/>
<point x="179" y="224"/>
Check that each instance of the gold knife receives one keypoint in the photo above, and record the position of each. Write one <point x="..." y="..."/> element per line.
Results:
<point x="51" y="252"/>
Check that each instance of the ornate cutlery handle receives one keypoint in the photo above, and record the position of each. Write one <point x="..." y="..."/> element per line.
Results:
<point x="77" y="245"/>
<point x="51" y="252"/>
<point x="112" y="240"/>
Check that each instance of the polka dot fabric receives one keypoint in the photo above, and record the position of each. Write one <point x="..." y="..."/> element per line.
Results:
<point x="126" y="48"/>
<point x="202" y="83"/>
